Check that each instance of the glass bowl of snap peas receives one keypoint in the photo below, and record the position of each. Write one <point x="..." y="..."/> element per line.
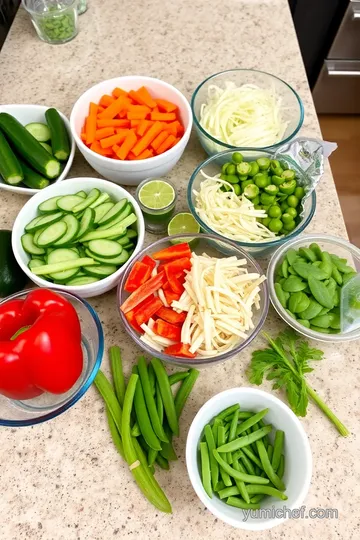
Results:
<point x="273" y="186"/>
<point x="253" y="433"/>
<point x="305" y="277"/>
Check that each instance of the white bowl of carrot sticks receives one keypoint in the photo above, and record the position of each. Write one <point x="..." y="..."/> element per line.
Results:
<point x="131" y="128"/>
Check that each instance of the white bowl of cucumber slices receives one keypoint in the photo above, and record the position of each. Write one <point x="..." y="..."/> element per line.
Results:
<point x="78" y="236"/>
<point x="34" y="117"/>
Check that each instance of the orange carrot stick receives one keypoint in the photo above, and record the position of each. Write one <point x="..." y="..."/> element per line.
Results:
<point x="143" y="127"/>
<point x="95" y="147"/>
<point x="114" y="139"/>
<point x="165" y="106"/>
<point x="106" y="100"/>
<point x="159" y="139"/>
<point x="101" y="109"/>
<point x="104" y="132"/>
<point x="148" y="138"/>
<point x="135" y="123"/>
<point x="171" y="128"/>
<point x="114" y="109"/>
<point x="145" y="97"/>
<point x="145" y="154"/>
<point x="91" y="123"/>
<point x="127" y="145"/>
<point x="113" y="123"/>
<point x="175" y="142"/>
<point x="166" y="144"/>
<point x="83" y="136"/>
<point x="117" y="92"/>
<point x="163" y="117"/>
<point x="137" y="115"/>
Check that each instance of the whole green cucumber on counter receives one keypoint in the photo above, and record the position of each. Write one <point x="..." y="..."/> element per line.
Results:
<point x="33" y="179"/>
<point x="10" y="168"/>
<point x="12" y="278"/>
<point x="28" y="147"/>
<point x="59" y="136"/>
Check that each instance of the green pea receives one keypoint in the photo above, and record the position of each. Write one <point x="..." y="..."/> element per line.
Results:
<point x="275" y="225"/>
<point x="237" y="189"/>
<point x="304" y="322"/>
<point x="292" y="212"/>
<point x="251" y="191"/>
<point x="298" y="302"/>
<point x="287" y="218"/>
<point x="266" y="199"/>
<point x="261" y="180"/>
<point x="246" y="183"/>
<point x="254" y="168"/>
<point x="274" y="211"/>
<point x="288" y="174"/>
<point x="288" y="187"/>
<point x="231" y="169"/>
<point x="278" y="172"/>
<point x="223" y="176"/>
<point x="313" y="310"/>
<point x="299" y="192"/>
<point x="264" y="163"/>
<point x="271" y="189"/>
<point x="232" y="178"/>
<point x="290" y="226"/>
<point x="243" y="168"/>
<point x="293" y="284"/>
<point x="225" y="187"/>
<point x="291" y="255"/>
<point x="242" y="177"/>
<point x="266" y="221"/>
<point x="292" y="201"/>
<point x="256" y="201"/>
<point x="237" y="157"/>
<point x="277" y="180"/>
<point x="274" y="164"/>
<point x="280" y="294"/>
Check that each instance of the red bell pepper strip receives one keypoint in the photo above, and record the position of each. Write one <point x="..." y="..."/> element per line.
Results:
<point x="171" y="296"/>
<point x="139" y="274"/>
<point x="143" y="292"/>
<point x="147" y="310"/>
<point x="173" y="252"/>
<point x="179" y="349"/>
<point x="175" y="285"/>
<point x="130" y="316"/>
<point x="149" y="261"/>
<point x="167" y="330"/>
<point x="169" y="315"/>
<point x="177" y="267"/>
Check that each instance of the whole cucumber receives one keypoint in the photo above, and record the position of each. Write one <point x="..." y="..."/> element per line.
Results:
<point x="58" y="134"/>
<point x="32" y="179"/>
<point x="10" y="168"/>
<point x="28" y="147"/>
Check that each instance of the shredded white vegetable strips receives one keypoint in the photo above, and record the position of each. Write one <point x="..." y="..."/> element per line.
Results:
<point x="229" y="215"/>
<point x="243" y="116"/>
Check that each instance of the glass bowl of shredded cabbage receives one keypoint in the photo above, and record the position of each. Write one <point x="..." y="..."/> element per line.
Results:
<point x="245" y="108"/>
<point x="234" y="217"/>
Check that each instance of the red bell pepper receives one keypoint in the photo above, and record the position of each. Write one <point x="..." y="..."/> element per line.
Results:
<point x="47" y="355"/>
<point x="173" y="252"/>
<point x="179" y="349"/>
<point x="139" y="274"/>
<point x="130" y="316"/>
<point x="169" y="315"/>
<point x="175" y="285"/>
<point x="171" y="296"/>
<point x="143" y="292"/>
<point x="147" y="310"/>
<point x="149" y="261"/>
<point x="167" y="330"/>
<point x="177" y="267"/>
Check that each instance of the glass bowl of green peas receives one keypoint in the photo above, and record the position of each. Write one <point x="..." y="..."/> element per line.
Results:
<point x="275" y="186"/>
<point x="305" y="278"/>
<point x="55" y="21"/>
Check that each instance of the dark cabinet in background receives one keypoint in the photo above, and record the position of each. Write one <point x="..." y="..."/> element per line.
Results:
<point x="8" y="9"/>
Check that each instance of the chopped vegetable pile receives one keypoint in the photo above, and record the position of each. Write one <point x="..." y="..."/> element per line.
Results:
<point x="132" y="125"/>
<point x="238" y="460"/>
<point x="191" y="305"/>
<point x="243" y="116"/>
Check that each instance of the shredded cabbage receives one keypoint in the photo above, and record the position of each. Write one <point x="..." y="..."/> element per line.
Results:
<point x="229" y="215"/>
<point x="243" y="116"/>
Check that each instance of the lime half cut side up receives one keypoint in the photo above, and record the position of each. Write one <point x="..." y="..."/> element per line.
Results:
<point x="183" y="223"/>
<point x="156" y="194"/>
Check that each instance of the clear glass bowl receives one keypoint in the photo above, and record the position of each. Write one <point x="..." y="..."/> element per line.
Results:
<point x="332" y="244"/>
<point x="211" y="245"/>
<point x="293" y="110"/>
<point x="212" y="166"/>
<point x="15" y="413"/>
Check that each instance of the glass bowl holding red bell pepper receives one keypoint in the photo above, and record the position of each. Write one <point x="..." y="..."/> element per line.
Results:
<point x="193" y="299"/>
<point x="51" y="347"/>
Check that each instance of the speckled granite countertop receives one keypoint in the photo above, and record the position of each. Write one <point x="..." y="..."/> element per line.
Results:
<point x="63" y="480"/>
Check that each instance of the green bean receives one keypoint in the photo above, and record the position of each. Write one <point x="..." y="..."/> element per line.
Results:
<point x="238" y="503"/>
<point x="162" y="462"/>
<point x="117" y="373"/>
<point x="245" y="440"/>
<point x="152" y="378"/>
<point x="166" y="394"/>
<point x="250" y="454"/>
<point x="142" y="417"/>
<point x="228" y="411"/>
<point x="143" y="477"/>
<point x="205" y="468"/>
<point x="115" y="435"/>
<point x="229" y="492"/>
<point x="278" y="448"/>
<point x="266" y="438"/>
<point x="184" y="391"/>
<point x="271" y="474"/>
<point x="239" y="483"/>
<point x="237" y="474"/>
<point x="281" y="469"/>
<point x="177" y="377"/>
<point x="247" y="463"/>
<point x="135" y="430"/>
<point x="152" y="455"/>
<point x="221" y="440"/>
<point x="150" y="401"/>
<point x="251" y="421"/>
<point x="219" y="486"/>
<point x="167" y="449"/>
<point x="254" y="489"/>
<point x="257" y="498"/>
<point x="159" y="404"/>
<point x="214" y="466"/>
<point x="270" y="451"/>
<point x="106" y="390"/>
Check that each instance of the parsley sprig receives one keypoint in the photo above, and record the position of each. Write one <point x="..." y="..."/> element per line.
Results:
<point x="286" y="363"/>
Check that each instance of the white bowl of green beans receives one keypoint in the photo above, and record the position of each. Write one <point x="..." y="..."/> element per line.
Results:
<point x="248" y="458"/>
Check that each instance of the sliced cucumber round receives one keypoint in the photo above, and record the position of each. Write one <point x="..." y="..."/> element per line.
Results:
<point x="118" y="219"/>
<point x="100" y="200"/>
<point x="93" y="195"/>
<point x="27" y="242"/>
<point x="72" y="230"/>
<point x="101" y="210"/>
<point x="118" y="261"/>
<point x="105" y="248"/>
<point x="101" y="271"/>
<point x="83" y="280"/>
<point x="40" y="131"/>
<point x="47" y="220"/>
<point x="81" y="194"/>
<point x="87" y="221"/>
<point x="114" y="212"/>
<point x="47" y="147"/>
<point x="31" y="226"/>
<point x="51" y="234"/>
<point x="49" y="205"/>
<point x="68" y="202"/>
<point x="34" y="263"/>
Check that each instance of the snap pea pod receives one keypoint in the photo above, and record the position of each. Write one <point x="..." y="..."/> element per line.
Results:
<point x="250" y="454"/>
<point x="254" y="489"/>
<point x="221" y="440"/>
<point x="228" y="411"/>
<point x="245" y="440"/>
<point x="107" y="393"/>
<point x="143" y="418"/>
<point x="115" y="433"/>
<point x="148" y="486"/>
<point x="159" y="404"/>
<point x="278" y="448"/>
<point x="167" y="449"/>
<point x="250" y="479"/>
<point x="256" y="498"/>
<point x="152" y="455"/>
<point x="177" y="377"/>
<point x="238" y="503"/>
<point x="205" y="468"/>
<point x="184" y="391"/>
<point x="229" y="492"/>
<point x="251" y="421"/>
<point x="270" y="451"/>
<point x="271" y="474"/>
<point x="219" y="486"/>
<point x="152" y="378"/>
<point x="117" y="373"/>
<point x="232" y="431"/>
<point x="281" y="468"/>
<point x="247" y="463"/>
<point x="166" y="394"/>
<point x="239" y="483"/>
<point x="214" y="466"/>
<point x="162" y="462"/>
<point x="135" y="430"/>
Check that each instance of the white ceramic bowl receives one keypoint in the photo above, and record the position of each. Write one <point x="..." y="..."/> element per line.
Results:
<point x="298" y="460"/>
<point x="29" y="211"/>
<point x="26" y="114"/>
<point x="131" y="173"/>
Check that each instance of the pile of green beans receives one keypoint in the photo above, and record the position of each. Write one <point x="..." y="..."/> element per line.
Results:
<point x="143" y="416"/>
<point x="308" y="284"/>
<point x="239" y="463"/>
<point x="270" y="185"/>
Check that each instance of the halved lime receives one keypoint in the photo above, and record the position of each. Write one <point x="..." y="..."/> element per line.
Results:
<point x="156" y="194"/>
<point x="183" y="223"/>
